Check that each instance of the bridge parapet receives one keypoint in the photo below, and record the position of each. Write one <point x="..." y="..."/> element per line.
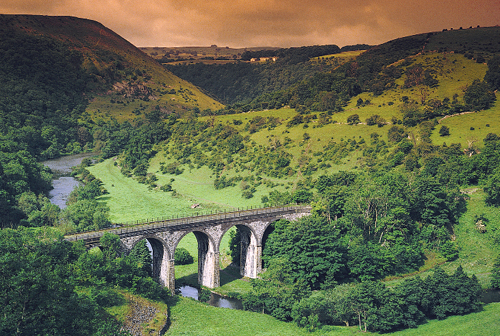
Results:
<point x="162" y="225"/>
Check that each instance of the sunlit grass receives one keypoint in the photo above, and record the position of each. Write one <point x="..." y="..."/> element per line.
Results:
<point x="486" y="322"/>
<point x="190" y="317"/>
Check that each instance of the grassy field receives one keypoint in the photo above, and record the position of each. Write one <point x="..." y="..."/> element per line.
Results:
<point x="469" y="128"/>
<point x="190" y="317"/>
<point x="193" y="318"/>
<point x="486" y="322"/>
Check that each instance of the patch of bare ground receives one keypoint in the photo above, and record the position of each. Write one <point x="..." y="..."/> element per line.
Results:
<point x="144" y="318"/>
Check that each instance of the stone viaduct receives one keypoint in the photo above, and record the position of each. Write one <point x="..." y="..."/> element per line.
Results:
<point x="164" y="235"/>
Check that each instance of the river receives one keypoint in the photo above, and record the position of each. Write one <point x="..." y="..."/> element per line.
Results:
<point x="63" y="184"/>
<point x="215" y="299"/>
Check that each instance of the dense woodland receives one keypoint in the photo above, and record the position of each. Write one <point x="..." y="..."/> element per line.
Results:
<point x="378" y="220"/>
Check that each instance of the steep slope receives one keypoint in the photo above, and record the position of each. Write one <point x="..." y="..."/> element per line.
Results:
<point x="120" y="73"/>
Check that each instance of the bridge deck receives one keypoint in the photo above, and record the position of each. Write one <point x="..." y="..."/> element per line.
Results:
<point x="172" y="223"/>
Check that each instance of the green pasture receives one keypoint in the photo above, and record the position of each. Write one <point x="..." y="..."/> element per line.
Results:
<point x="129" y="200"/>
<point x="470" y="128"/>
<point x="485" y="322"/>
<point x="190" y="317"/>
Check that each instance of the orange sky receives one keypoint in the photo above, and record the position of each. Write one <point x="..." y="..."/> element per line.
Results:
<point x="281" y="23"/>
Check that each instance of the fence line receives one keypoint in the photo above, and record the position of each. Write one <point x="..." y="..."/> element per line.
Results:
<point x="166" y="222"/>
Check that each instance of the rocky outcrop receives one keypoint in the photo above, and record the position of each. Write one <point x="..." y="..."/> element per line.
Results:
<point x="133" y="90"/>
<point x="139" y="316"/>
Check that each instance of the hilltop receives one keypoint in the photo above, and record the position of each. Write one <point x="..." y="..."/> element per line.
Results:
<point x="123" y="79"/>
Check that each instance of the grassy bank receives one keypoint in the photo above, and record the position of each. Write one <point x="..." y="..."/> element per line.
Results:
<point x="190" y="317"/>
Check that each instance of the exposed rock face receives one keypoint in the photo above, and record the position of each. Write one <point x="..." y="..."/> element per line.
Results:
<point x="130" y="90"/>
<point x="139" y="316"/>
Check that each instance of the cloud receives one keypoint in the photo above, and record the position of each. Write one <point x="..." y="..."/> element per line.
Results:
<point x="241" y="23"/>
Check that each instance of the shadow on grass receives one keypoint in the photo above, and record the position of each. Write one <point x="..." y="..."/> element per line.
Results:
<point x="172" y="301"/>
<point x="227" y="275"/>
<point x="187" y="280"/>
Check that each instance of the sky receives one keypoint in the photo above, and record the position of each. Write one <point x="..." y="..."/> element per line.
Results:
<point x="277" y="23"/>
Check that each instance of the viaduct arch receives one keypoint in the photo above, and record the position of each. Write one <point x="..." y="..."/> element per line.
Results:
<point x="165" y="235"/>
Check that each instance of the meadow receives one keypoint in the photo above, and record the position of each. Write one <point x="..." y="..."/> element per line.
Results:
<point x="130" y="201"/>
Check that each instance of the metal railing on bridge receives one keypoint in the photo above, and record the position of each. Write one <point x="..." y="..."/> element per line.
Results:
<point x="158" y="223"/>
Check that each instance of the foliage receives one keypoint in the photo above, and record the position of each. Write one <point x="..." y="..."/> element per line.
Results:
<point x="495" y="274"/>
<point x="313" y="251"/>
<point x="182" y="256"/>
<point x="479" y="95"/>
<point x="492" y="76"/>
<point x="37" y="287"/>
<point x="444" y="131"/>
<point x="141" y="255"/>
<point x="353" y="119"/>
<point x="492" y="189"/>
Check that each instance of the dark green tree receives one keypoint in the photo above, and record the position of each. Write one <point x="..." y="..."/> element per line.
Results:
<point x="479" y="95"/>
<point x="37" y="294"/>
<point x="493" y="73"/>
<point x="495" y="274"/>
<point x="444" y="131"/>
<point x="492" y="189"/>
<point x="353" y="119"/>
<point x="313" y="249"/>
<point x="141" y="255"/>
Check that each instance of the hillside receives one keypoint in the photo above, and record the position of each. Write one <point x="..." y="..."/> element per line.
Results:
<point x="124" y="78"/>
<point x="59" y="76"/>
<point x="396" y="148"/>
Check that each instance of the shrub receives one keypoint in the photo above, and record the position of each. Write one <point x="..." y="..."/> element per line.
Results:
<point x="353" y="119"/>
<point x="182" y="256"/>
<point x="444" y="131"/>
<point x="106" y="297"/>
<point x="204" y="295"/>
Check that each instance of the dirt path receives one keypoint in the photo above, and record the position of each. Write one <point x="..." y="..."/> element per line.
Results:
<point x="454" y="115"/>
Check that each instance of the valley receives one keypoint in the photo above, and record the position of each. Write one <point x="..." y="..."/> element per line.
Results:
<point x="396" y="147"/>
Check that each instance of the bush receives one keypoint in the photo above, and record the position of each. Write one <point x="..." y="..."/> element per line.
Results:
<point x="106" y="297"/>
<point x="444" y="131"/>
<point x="492" y="189"/>
<point x="182" y="257"/>
<point x="353" y="119"/>
<point x="449" y="250"/>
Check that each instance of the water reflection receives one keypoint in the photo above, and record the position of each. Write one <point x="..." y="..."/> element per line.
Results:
<point x="215" y="299"/>
<point x="63" y="184"/>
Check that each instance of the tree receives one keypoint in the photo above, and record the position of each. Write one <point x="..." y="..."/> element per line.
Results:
<point x="445" y="295"/>
<point x="312" y="248"/>
<point x="37" y="294"/>
<point x="353" y="119"/>
<point x="182" y="256"/>
<point x="479" y="95"/>
<point x="492" y="189"/>
<point x="110" y="245"/>
<point x="495" y="274"/>
<point x="396" y="134"/>
<point x="493" y="73"/>
<point x="141" y="255"/>
<point x="375" y="307"/>
<point x="444" y="131"/>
